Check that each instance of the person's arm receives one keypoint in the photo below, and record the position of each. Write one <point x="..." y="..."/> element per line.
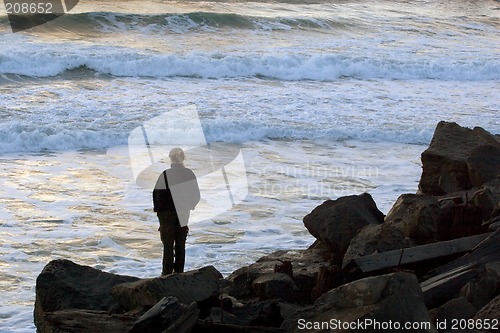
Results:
<point x="157" y="193"/>
<point x="195" y="192"/>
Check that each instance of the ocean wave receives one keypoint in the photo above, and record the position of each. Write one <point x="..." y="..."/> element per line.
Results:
<point x="189" y="22"/>
<point x="43" y="138"/>
<point x="123" y="62"/>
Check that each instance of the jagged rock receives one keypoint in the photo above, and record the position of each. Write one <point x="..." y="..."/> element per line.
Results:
<point x="275" y="286"/>
<point x="393" y="297"/>
<point x="457" y="308"/>
<point x="64" y="285"/>
<point x="482" y="289"/>
<point x="417" y="216"/>
<point x="490" y="311"/>
<point x="376" y="238"/>
<point x="199" y="286"/>
<point x="218" y="315"/>
<point x="305" y="267"/>
<point x="458" y="159"/>
<point x="240" y="282"/>
<point x="336" y="222"/>
<point x="466" y="213"/>
<point x="167" y="316"/>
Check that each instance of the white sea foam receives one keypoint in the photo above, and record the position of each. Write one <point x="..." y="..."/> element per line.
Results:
<point x="325" y="67"/>
<point x="96" y="216"/>
<point x="326" y="100"/>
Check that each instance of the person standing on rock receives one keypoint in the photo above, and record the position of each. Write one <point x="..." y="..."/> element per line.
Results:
<point x="176" y="193"/>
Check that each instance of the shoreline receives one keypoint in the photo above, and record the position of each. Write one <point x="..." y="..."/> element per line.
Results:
<point x="324" y="270"/>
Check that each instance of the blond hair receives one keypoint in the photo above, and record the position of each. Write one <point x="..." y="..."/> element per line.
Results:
<point x="176" y="155"/>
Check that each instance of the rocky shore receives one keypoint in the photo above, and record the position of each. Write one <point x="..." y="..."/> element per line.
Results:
<point x="431" y="265"/>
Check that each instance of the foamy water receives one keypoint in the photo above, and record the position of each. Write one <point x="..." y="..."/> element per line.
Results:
<point x="323" y="100"/>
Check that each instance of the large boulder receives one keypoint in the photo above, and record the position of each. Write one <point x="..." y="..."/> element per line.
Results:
<point x="63" y="285"/>
<point x="306" y="265"/>
<point x="480" y="290"/>
<point x="490" y="311"/>
<point x="458" y="159"/>
<point x="335" y="222"/>
<point x="275" y="286"/>
<point x="417" y="216"/>
<point x="200" y="286"/>
<point x="376" y="238"/>
<point x="468" y="213"/>
<point x="390" y="301"/>
<point x="456" y="309"/>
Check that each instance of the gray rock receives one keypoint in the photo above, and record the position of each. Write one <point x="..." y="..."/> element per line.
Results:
<point x="335" y="222"/>
<point x="457" y="308"/>
<point x="490" y="311"/>
<point x="64" y="285"/>
<point x="376" y="238"/>
<point x="240" y="282"/>
<point x="193" y="286"/>
<point x="305" y="267"/>
<point x="395" y="297"/>
<point x="275" y="286"/>
<point x="458" y="159"/>
<point x="482" y="289"/>
<point x="417" y="216"/>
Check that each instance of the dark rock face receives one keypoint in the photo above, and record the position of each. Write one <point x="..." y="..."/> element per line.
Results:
<point x="393" y="297"/>
<point x="490" y="311"/>
<point x="458" y="159"/>
<point x="194" y="286"/>
<point x="417" y="217"/>
<point x="248" y="283"/>
<point x="452" y="310"/>
<point x="275" y="286"/>
<point x="64" y="285"/>
<point x="376" y="238"/>
<point x="336" y="222"/>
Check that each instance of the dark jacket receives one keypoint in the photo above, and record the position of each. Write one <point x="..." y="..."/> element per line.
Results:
<point x="179" y="192"/>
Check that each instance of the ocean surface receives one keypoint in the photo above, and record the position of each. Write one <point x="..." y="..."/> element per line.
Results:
<point x="310" y="100"/>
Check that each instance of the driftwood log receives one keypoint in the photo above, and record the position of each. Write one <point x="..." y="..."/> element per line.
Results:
<point x="84" y="321"/>
<point x="167" y="316"/>
<point x="443" y="283"/>
<point x="413" y="255"/>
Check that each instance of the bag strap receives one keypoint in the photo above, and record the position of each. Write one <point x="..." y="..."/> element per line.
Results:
<point x="165" y="176"/>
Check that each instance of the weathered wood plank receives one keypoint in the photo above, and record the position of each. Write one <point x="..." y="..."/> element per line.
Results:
<point x="168" y="316"/>
<point x="486" y="251"/>
<point x="84" y="321"/>
<point x="447" y="280"/>
<point x="442" y="288"/>
<point x="395" y="258"/>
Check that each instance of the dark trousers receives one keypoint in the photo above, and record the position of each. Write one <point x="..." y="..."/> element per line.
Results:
<point x="173" y="236"/>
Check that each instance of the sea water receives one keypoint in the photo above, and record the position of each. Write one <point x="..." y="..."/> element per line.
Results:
<point x="322" y="99"/>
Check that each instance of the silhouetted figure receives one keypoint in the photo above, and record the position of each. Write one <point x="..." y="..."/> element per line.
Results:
<point x="176" y="193"/>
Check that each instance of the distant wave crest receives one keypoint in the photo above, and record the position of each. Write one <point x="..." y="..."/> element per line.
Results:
<point x="27" y="138"/>
<point x="325" y="67"/>
<point x="193" y="21"/>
